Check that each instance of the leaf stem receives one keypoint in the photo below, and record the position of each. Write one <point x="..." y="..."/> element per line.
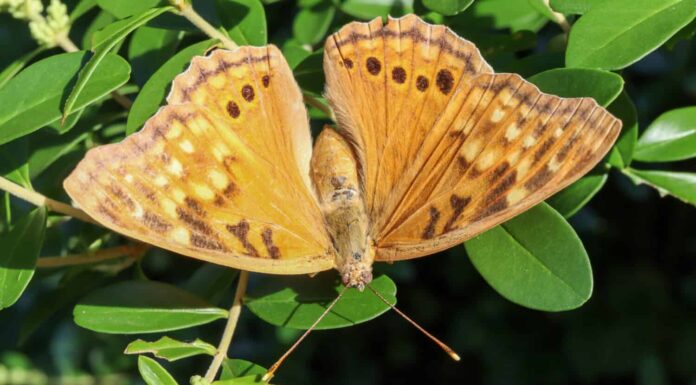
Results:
<point x="316" y="103"/>
<point x="40" y="200"/>
<point x="130" y="251"/>
<point x="186" y="10"/>
<point x="559" y="18"/>
<point x="232" y="319"/>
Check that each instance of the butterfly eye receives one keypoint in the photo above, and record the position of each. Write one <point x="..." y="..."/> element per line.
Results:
<point x="356" y="256"/>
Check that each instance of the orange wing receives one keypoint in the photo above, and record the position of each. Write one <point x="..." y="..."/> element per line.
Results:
<point x="447" y="149"/>
<point x="220" y="174"/>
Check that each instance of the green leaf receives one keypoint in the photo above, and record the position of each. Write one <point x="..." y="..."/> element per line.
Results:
<point x="295" y="52"/>
<point x="235" y="368"/>
<point x="310" y="73"/>
<point x="603" y="86"/>
<point x="514" y="14"/>
<point x="210" y="281"/>
<point x="623" y="108"/>
<point x="32" y="99"/>
<point x="574" y="7"/>
<point x="171" y="349"/>
<point x="311" y="24"/>
<point x="20" y="249"/>
<point x="496" y="44"/>
<point x="81" y="8"/>
<point x="143" y="307"/>
<point x="13" y="162"/>
<point x="297" y="302"/>
<point x="153" y="373"/>
<point x="47" y="147"/>
<point x="542" y="6"/>
<point x="107" y="39"/>
<point x="369" y="9"/>
<point x="124" y="8"/>
<point x="149" y="48"/>
<point x="616" y="34"/>
<point x="681" y="185"/>
<point x="447" y="7"/>
<point x="572" y="198"/>
<point x="535" y="260"/>
<point x="13" y="68"/>
<point x="98" y="23"/>
<point x="154" y="91"/>
<point x="245" y="21"/>
<point x="672" y="136"/>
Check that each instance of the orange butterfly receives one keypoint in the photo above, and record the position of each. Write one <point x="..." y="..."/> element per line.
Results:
<point x="432" y="148"/>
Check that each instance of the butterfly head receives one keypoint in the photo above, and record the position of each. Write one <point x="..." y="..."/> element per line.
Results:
<point x="357" y="271"/>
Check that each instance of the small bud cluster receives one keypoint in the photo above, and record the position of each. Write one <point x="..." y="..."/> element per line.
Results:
<point x="46" y="29"/>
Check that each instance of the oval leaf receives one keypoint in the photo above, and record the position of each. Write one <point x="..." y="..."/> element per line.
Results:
<point x="535" y="260"/>
<point x="311" y="24"/>
<point x="296" y="302"/>
<point x="574" y="7"/>
<point x="149" y="48"/>
<point x="623" y="108"/>
<point x="234" y="368"/>
<point x="245" y="21"/>
<point x="13" y="68"/>
<point x="171" y="349"/>
<point x="143" y="307"/>
<point x="616" y="34"/>
<point x="32" y="99"/>
<point x="153" y="373"/>
<point x="672" y="136"/>
<point x="369" y="9"/>
<point x="124" y="8"/>
<point x="572" y="198"/>
<point x="681" y="185"/>
<point x="154" y="91"/>
<point x="602" y="86"/>
<point x="20" y="249"/>
<point x="447" y="7"/>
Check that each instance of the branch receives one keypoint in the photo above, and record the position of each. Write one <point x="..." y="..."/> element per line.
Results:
<point x="186" y="10"/>
<point x="39" y="200"/>
<point x="232" y="319"/>
<point x="130" y="251"/>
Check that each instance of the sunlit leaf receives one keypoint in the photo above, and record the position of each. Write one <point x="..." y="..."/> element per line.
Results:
<point x="149" y="48"/>
<point x="170" y="349"/>
<point x="234" y="368"/>
<point x="124" y="8"/>
<point x="672" y="136"/>
<point x="603" y="86"/>
<point x="153" y="373"/>
<point x="311" y="24"/>
<point x="245" y="21"/>
<point x="13" y="68"/>
<point x="576" y="7"/>
<point x="681" y="185"/>
<point x="369" y="9"/>
<point x="571" y="199"/>
<point x="447" y="7"/>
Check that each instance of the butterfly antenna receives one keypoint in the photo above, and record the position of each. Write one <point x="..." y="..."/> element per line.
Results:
<point x="274" y="367"/>
<point x="439" y="343"/>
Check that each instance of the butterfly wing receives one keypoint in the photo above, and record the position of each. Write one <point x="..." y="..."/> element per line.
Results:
<point x="220" y="174"/>
<point x="454" y="149"/>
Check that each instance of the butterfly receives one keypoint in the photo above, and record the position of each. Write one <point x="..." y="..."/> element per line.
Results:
<point x="431" y="148"/>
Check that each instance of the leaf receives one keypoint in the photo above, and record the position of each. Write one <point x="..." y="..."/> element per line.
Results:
<point x="245" y="21"/>
<point x="369" y="9"/>
<point x="535" y="260"/>
<point x="623" y="108"/>
<point x="295" y="52"/>
<point x="109" y="37"/>
<point x="574" y="7"/>
<point x="13" y="68"/>
<point x="234" y="368"/>
<point x="672" y="136"/>
<point x="447" y="7"/>
<point x="311" y="24"/>
<point x="81" y="8"/>
<point x="310" y="73"/>
<point x="155" y="89"/>
<point x="296" y="302"/>
<point x="211" y="281"/>
<point x="542" y="6"/>
<point x="143" y="307"/>
<point x="13" y="163"/>
<point x="574" y="197"/>
<point x="153" y="373"/>
<point x="603" y="86"/>
<point x="124" y="8"/>
<point x="681" y="185"/>
<point x="47" y="147"/>
<point x="616" y="34"/>
<point x="32" y="99"/>
<point x="20" y="249"/>
<point x="171" y="349"/>
<point x="149" y="48"/>
<point x="514" y="14"/>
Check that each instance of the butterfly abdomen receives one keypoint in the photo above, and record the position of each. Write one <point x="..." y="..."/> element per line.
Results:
<point x="335" y="177"/>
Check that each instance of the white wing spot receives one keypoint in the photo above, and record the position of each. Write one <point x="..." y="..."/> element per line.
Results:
<point x="169" y="207"/>
<point x="180" y="235"/>
<point x="203" y="191"/>
<point x="175" y="167"/>
<point x="515" y="195"/>
<point x="558" y="132"/>
<point x="512" y="132"/>
<point x="138" y="211"/>
<point x="529" y="141"/>
<point x="128" y="178"/>
<point x="186" y="146"/>
<point x="218" y="179"/>
<point x="160" y="181"/>
<point x="497" y="115"/>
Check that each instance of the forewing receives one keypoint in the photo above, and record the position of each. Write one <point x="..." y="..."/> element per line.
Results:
<point x="219" y="174"/>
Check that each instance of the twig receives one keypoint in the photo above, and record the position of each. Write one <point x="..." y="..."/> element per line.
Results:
<point x="94" y="257"/>
<point x="232" y="319"/>
<point x="40" y="200"/>
<point x="316" y="103"/>
<point x="560" y="19"/>
<point x="186" y="10"/>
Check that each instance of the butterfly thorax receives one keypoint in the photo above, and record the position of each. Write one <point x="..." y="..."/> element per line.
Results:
<point x="336" y="182"/>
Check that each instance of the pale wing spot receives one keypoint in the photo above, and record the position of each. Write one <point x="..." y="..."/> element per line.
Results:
<point x="180" y="235"/>
<point x="218" y="179"/>
<point x="515" y="156"/>
<point x="178" y="195"/>
<point x="203" y="191"/>
<point x="529" y="141"/>
<point x="218" y="81"/>
<point x="138" y="211"/>
<point x="558" y="132"/>
<point x="217" y="153"/>
<point x="128" y="178"/>
<point x="487" y="159"/>
<point x="512" y="132"/>
<point x="516" y="195"/>
<point x="198" y="98"/>
<point x="471" y="150"/>
<point x="198" y="125"/>
<point x="553" y="164"/>
<point x="175" y="130"/>
<point x="523" y="168"/>
<point x="175" y="167"/>
<point x="160" y="181"/>
<point x="497" y="115"/>
<point x="186" y="146"/>
<point x="169" y="207"/>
